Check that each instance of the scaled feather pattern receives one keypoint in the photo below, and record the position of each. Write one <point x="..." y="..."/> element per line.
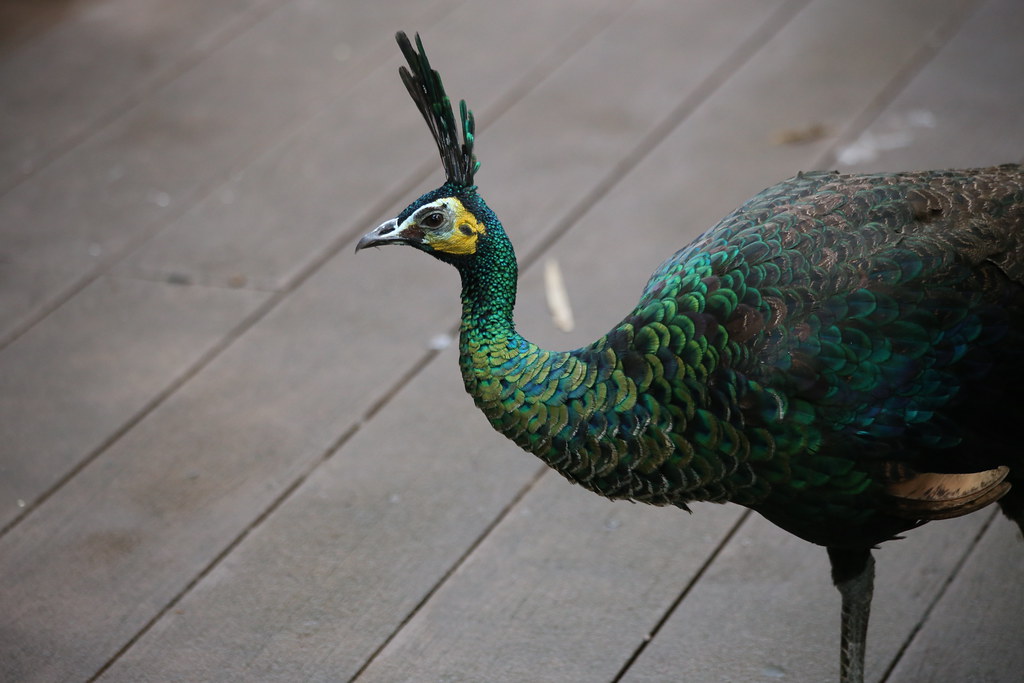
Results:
<point x="831" y="335"/>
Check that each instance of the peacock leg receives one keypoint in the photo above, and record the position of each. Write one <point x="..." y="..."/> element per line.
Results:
<point x="853" y="572"/>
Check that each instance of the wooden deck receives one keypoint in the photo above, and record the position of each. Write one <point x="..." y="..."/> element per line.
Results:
<point x="232" y="450"/>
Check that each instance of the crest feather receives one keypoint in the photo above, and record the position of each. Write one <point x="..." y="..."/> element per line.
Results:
<point x="427" y="91"/>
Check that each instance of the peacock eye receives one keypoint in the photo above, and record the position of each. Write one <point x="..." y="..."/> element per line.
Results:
<point x="432" y="220"/>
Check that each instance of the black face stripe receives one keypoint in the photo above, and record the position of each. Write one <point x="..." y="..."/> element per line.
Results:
<point x="413" y="232"/>
<point x="465" y="229"/>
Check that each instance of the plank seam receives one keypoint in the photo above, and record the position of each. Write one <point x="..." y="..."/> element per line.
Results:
<point x="861" y="122"/>
<point x="740" y="56"/>
<point x="933" y="603"/>
<point x="304" y="273"/>
<point x="230" y="547"/>
<point x="214" y="43"/>
<point x="147" y="408"/>
<point x="566" y="49"/>
<point x="189" y="199"/>
<point x="647" y="639"/>
<point x="462" y="559"/>
<point x="940" y="37"/>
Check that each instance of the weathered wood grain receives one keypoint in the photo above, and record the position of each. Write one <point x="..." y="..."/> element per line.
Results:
<point x="90" y="68"/>
<point x="317" y="587"/>
<point x="766" y="609"/>
<point x="390" y="340"/>
<point x="963" y="108"/>
<point x="78" y="377"/>
<point x="90" y="207"/>
<point x="974" y="633"/>
<point x="195" y="474"/>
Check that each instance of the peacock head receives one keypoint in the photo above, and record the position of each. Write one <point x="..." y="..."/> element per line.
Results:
<point x="451" y="222"/>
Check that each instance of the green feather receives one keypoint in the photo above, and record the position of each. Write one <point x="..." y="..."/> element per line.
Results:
<point x="830" y="332"/>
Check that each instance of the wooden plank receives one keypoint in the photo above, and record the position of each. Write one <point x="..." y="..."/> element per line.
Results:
<point x="73" y="381"/>
<point x="964" y="108"/>
<point x="564" y="590"/>
<point x="974" y="633"/>
<point x="151" y="513"/>
<point x="767" y="610"/>
<point x="89" y="208"/>
<point x="93" y="564"/>
<point x="380" y="327"/>
<point x="319" y="585"/>
<point x="62" y="85"/>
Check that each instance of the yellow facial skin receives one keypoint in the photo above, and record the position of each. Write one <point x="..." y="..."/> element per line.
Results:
<point x="460" y="233"/>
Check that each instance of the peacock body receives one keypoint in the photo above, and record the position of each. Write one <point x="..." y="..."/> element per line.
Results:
<point x="819" y="346"/>
<point x="839" y="354"/>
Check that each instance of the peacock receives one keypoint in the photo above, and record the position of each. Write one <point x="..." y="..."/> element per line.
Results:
<point x="839" y="354"/>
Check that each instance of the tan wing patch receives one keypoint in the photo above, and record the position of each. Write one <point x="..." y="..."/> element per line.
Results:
<point x="931" y="495"/>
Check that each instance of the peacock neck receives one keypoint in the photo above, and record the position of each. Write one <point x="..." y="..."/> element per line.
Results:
<point x="489" y="291"/>
<point x="585" y="412"/>
<point x="492" y="353"/>
<point x="521" y="388"/>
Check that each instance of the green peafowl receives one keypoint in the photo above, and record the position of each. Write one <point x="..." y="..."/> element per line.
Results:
<point x="839" y="354"/>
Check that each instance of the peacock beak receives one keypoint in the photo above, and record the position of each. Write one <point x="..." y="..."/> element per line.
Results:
<point x="385" y="233"/>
